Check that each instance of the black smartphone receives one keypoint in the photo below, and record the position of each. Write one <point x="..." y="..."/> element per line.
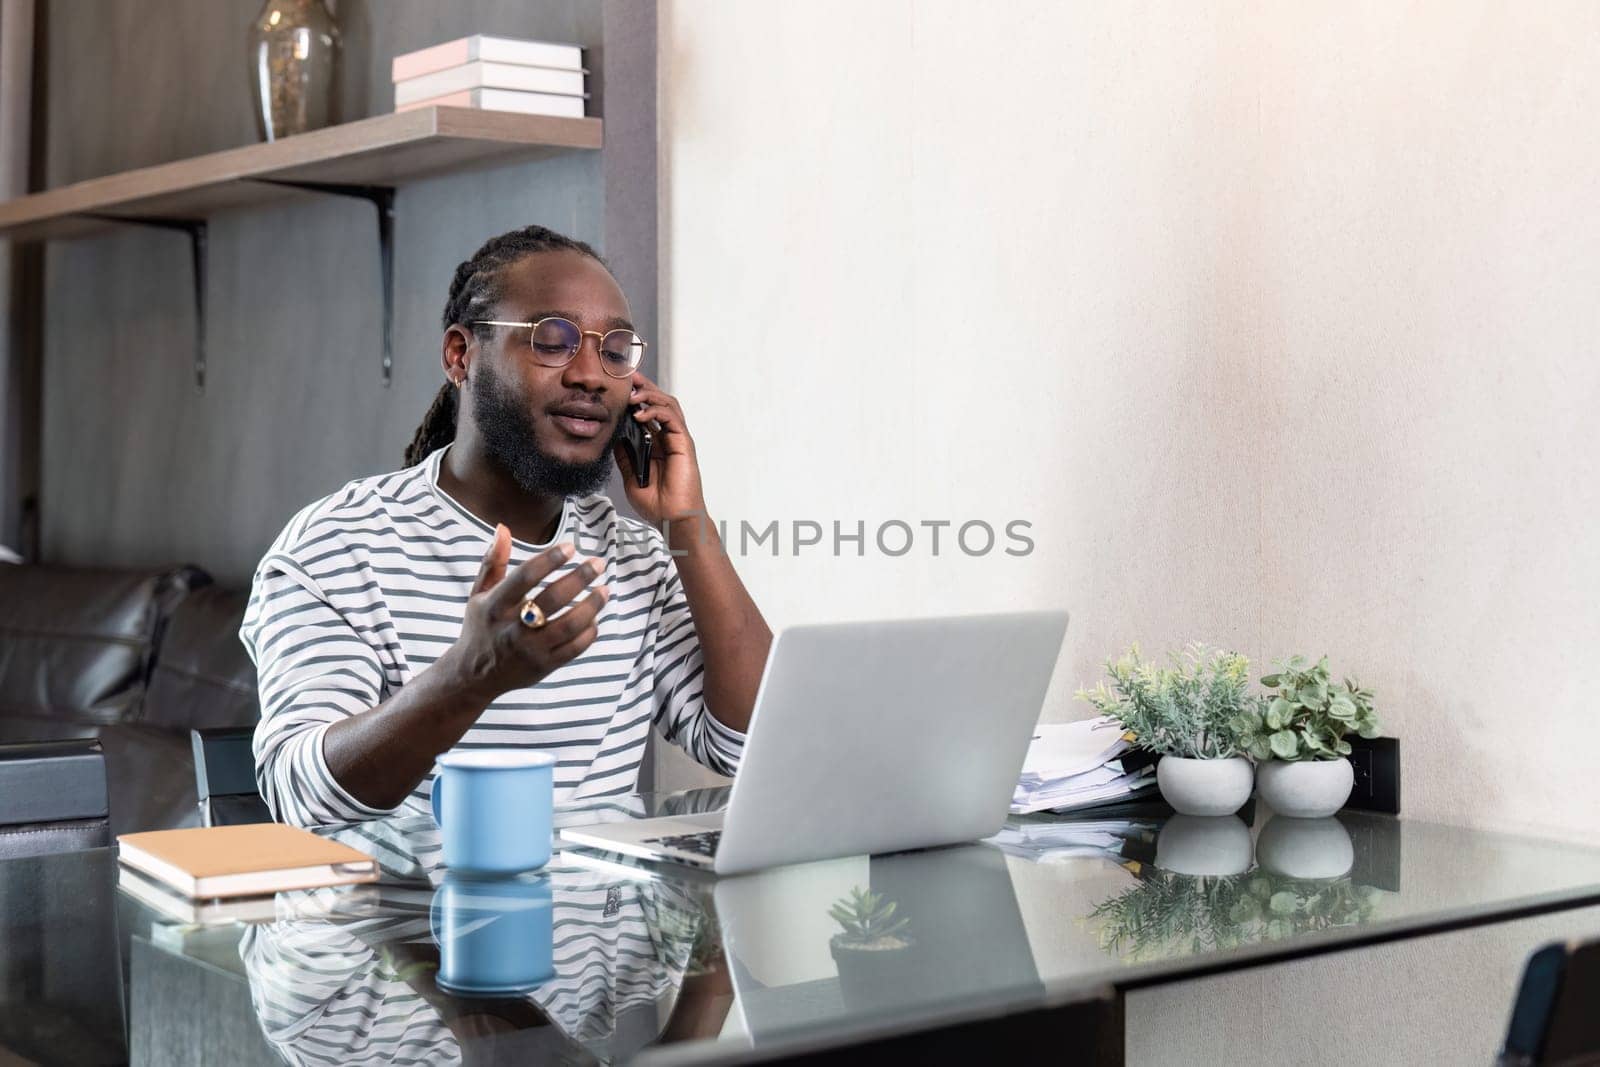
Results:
<point x="637" y="443"/>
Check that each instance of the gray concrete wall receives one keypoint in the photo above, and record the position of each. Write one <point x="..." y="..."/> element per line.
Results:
<point x="138" y="468"/>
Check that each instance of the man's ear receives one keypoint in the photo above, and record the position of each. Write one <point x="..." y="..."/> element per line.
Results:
<point x="457" y="352"/>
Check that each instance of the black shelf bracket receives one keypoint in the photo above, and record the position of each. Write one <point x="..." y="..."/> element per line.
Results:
<point x="196" y="229"/>
<point x="382" y="198"/>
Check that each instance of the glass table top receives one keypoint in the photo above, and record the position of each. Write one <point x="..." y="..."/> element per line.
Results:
<point x="598" y="958"/>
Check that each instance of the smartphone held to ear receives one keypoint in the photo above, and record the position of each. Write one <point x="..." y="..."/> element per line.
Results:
<point x="637" y="442"/>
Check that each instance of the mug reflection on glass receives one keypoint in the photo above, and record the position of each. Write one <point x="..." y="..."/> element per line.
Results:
<point x="495" y="934"/>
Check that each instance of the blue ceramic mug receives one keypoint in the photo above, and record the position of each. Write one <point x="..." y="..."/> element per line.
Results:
<point x="493" y="807"/>
<point x="495" y="935"/>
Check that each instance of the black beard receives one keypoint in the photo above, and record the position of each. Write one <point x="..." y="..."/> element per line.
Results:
<point x="507" y="431"/>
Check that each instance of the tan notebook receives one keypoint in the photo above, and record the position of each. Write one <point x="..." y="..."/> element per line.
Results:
<point x="237" y="861"/>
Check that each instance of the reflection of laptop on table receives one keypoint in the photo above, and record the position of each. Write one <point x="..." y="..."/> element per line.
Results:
<point x="964" y="942"/>
<point x="869" y="738"/>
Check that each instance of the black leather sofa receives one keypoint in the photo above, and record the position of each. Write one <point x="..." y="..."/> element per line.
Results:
<point x="133" y="658"/>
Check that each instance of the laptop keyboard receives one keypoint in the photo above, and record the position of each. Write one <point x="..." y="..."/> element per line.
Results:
<point x="701" y="844"/>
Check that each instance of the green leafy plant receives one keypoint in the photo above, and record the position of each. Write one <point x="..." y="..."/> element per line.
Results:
<point x="1187" y="709"/>
<point x="1308" y="716"/>
<point x="869" y="921"/>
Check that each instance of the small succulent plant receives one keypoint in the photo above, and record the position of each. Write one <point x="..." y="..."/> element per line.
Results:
<point x="869" y="921"/>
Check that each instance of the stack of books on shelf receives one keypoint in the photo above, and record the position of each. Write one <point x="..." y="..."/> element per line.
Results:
<point x="1078" y="765"/>
<point x="495" y="74"/>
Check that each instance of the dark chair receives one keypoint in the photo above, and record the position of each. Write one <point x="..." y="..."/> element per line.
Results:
<point x="134" y="659"/>
<point x="52" y="798"/>
<point x="77" y="645"/>
<point x="1554" y="1021"/>
<point x="203" y="679"/>
<point x="225" y="777"/>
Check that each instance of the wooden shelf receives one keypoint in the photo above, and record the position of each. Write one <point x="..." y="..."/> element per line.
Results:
<point x="365" y="159"/>
<point x="380" y="151"/>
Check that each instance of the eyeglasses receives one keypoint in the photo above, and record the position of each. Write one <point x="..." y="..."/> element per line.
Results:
<point x="555" y="342"/>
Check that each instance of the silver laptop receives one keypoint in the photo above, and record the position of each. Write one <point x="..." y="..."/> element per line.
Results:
<point x="869" y="737"/>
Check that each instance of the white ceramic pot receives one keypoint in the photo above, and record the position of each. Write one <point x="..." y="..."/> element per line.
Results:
<point x="1204" y="845"/>
<point x="1304" y="848"/>
<point x="1305" y="789"/>
<point x="1204" y="786"/>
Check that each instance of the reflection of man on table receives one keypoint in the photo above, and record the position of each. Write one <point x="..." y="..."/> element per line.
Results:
<point x="362" y="990"/>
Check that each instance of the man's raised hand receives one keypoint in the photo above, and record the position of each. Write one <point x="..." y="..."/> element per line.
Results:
<point x="496" y="653"/>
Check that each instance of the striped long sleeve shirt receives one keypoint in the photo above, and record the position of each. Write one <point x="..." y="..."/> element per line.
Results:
<point x="368" y="586"/>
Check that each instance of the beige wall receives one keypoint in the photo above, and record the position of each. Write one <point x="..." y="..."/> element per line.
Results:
<point x="1430" y="254"/>
<point x="1277" y="320"/>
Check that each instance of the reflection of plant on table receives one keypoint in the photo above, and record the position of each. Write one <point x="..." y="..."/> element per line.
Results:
<point x="869" y="949"/>
<point x="1167" y="914"/>
<point x="1284" y="906"/>
<point x="683" y="930"/>
<point x="869" y="922"/>
<point x="390" y="968"/>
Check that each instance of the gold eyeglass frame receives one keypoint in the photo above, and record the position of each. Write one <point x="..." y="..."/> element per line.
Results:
<point x="600" y="339"/>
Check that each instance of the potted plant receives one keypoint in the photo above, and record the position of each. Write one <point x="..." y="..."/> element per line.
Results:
<point x="1297" y="736"/>
<point x="867" y="949"/>
<point x="1185" y="713"/>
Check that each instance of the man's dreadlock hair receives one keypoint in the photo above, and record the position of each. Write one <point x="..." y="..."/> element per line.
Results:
<point x="475" y="288"/>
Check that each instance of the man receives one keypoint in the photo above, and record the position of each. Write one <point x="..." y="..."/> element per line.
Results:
<point x="385" y="634"/>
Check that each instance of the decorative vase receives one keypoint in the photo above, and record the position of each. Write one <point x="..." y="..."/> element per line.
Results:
<point x="1204" y="845"/>
<point x="1305" y="848"/>
<point x="1204" y="786"/>
<point x="1305" y="789"/>
<point x="294" y="49"/>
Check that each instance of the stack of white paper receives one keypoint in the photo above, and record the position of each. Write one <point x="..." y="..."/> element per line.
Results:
<point x="1077" y="765"/>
